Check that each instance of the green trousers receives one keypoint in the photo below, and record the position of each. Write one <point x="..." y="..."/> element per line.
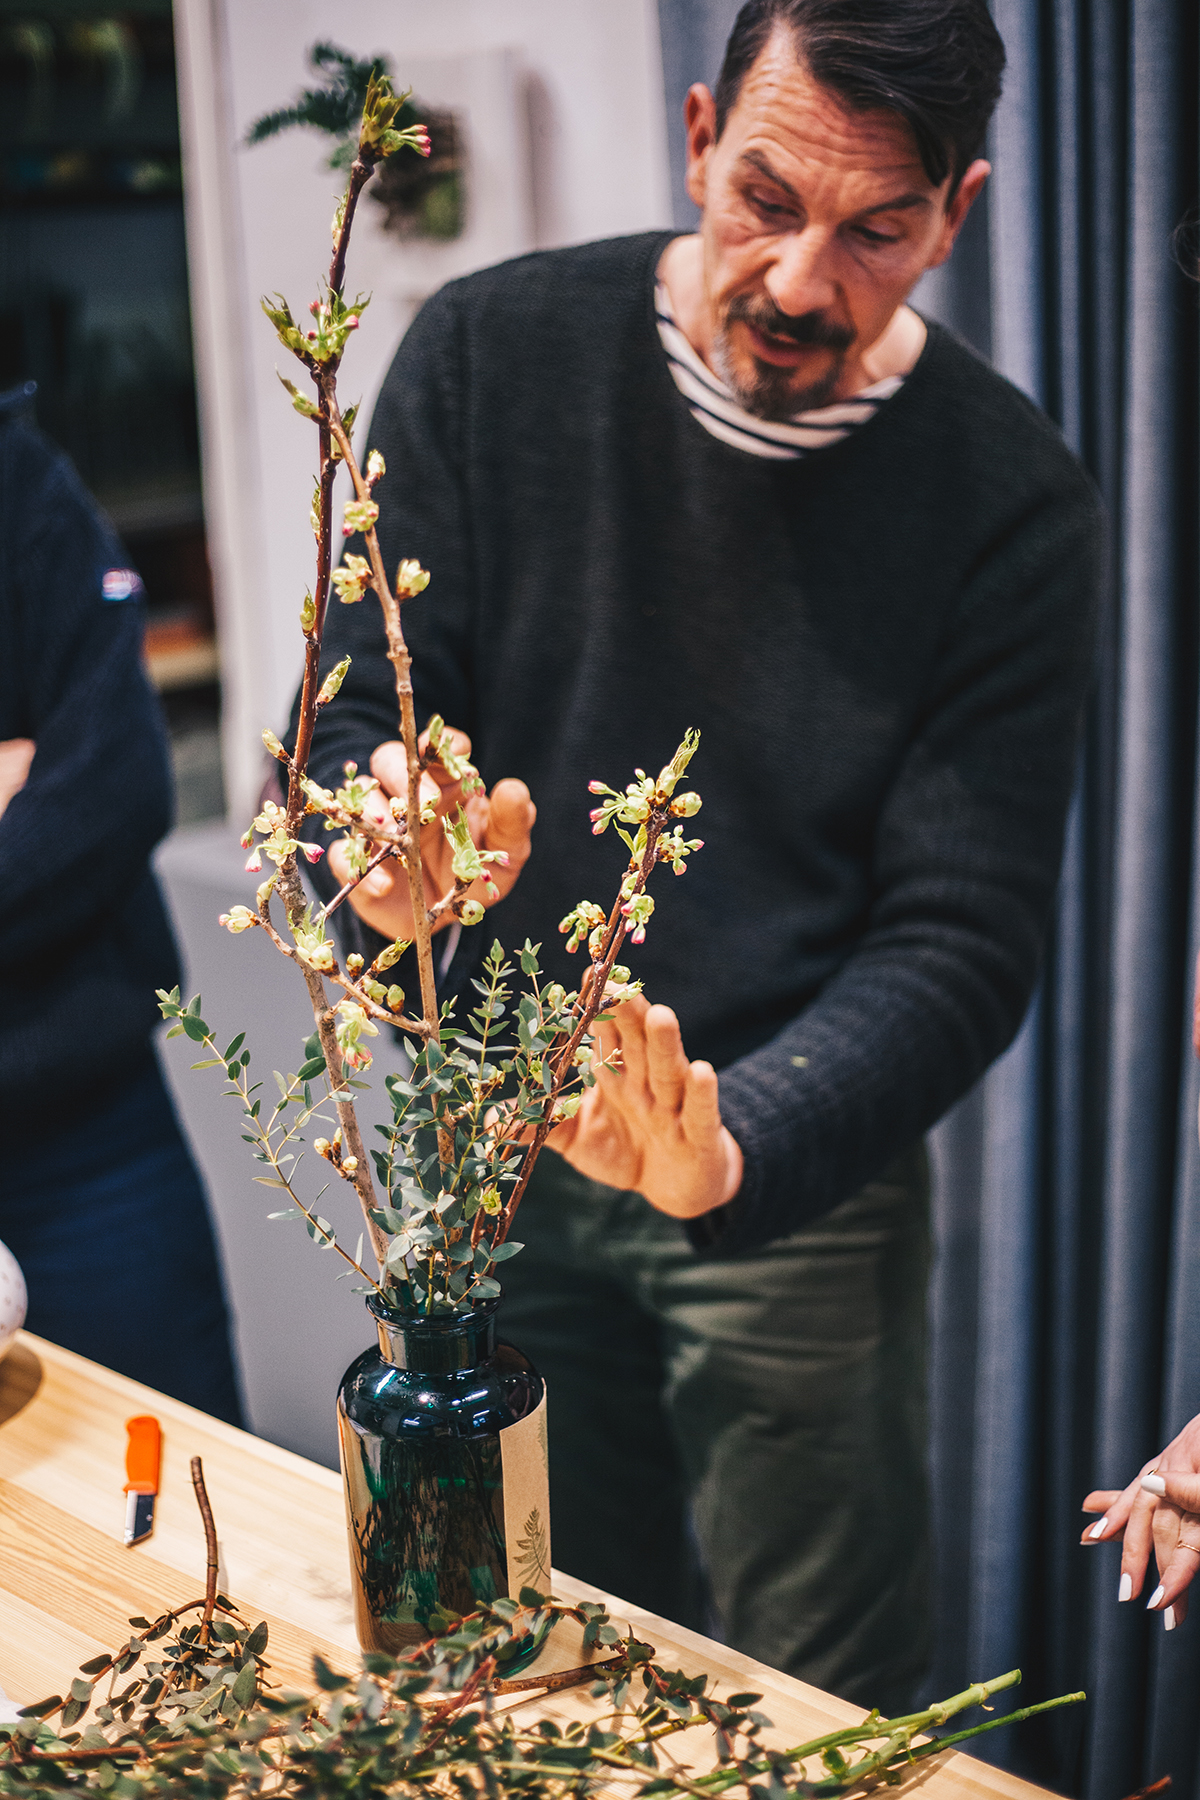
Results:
<point x="768" y="1408"/>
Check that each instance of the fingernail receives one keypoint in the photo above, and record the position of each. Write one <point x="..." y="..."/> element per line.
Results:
<point x="1169" y="1619"/>
<point x="1099" y="1528"/>
<point x="1154" y="1484"/>
<point x="1154" y="1599"/>
<point x="1125" y="1591"/>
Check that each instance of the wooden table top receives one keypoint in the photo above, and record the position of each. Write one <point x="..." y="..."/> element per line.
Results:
<point x="68" y="1586"/>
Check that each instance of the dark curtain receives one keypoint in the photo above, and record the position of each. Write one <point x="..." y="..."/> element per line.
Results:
<point x="1066" y="1301"/>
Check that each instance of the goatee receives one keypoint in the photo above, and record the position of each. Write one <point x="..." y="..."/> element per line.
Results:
<point x="767" y="390"/>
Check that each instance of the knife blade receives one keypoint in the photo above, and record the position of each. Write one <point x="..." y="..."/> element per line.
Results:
<point x="143" y="1456"/>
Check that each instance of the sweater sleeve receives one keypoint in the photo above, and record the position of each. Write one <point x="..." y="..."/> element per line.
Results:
<point x="75" y="840"/>
<point x="966" y="858"/>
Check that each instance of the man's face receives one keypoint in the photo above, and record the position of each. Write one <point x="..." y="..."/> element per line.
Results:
<point x="818" y="222"/>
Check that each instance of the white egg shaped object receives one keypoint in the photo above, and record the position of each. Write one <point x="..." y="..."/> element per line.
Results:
<point x="12" y="1298"/>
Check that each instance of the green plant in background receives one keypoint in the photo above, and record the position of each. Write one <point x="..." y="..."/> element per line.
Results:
<point x="468" y="1122"/>
<point x="419" y="200"/>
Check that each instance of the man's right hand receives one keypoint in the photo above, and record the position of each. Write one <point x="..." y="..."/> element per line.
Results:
<point x="502" y="821"/>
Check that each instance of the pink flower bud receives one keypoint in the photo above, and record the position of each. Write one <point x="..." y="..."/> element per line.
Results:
<point x="315" y="308"/>
<point x="501" y="859"/>
<point x="247" y="838"/>
<point x="638" y="936"/>
<point x="597" y="812"/>
<point x="351" y="322"/>
<point x="595" y="787"/>
<point x="421" y="141"/>
<point x="312" y="852"/>
<point x="254" y="862"/>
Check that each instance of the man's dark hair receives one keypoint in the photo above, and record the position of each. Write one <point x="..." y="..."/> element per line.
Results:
<point x="938" y="63"/>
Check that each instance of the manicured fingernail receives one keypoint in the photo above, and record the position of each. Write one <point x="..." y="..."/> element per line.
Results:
<point x="1099" y="1528"/>
<point x="1154" y="1484"/>
<point x="1169" y="1619"/>
<point x="1125" y="1591"/>
<point x="1154" y="1599"/>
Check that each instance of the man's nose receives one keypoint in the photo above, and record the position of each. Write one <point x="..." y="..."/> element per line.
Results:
<point x="800" y="280"/>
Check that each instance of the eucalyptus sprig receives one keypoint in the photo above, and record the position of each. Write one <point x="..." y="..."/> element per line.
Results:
<point x="426" y="1724"/>
<point x="200" y="1717"/>
<point x="481" y="1096"/>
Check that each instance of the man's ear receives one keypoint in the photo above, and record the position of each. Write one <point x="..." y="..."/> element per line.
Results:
<point x="967" y="192"/>
<point x="700" y="119"/>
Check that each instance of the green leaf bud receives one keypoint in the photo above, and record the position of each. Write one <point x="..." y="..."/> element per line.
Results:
<point x="332" y="682"/>
<point x="411" y="579"/>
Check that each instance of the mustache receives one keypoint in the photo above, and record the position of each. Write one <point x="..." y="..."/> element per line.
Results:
<point x="812" y="329"/>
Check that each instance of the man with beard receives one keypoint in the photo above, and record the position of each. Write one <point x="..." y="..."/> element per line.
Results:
<point x="731" y="480"/>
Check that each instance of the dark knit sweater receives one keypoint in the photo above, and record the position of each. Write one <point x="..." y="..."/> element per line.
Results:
<point x="885" y="646"/>
<point x="84" y="939"/>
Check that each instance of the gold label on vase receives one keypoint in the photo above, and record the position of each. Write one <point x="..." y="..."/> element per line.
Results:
<point x="524" y="1460"/>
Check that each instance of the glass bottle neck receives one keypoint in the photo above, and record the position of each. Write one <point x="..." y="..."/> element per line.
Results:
<point x="436" y="1344"/>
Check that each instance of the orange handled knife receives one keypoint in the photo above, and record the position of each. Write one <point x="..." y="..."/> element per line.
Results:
<point x="143" y="1455"/>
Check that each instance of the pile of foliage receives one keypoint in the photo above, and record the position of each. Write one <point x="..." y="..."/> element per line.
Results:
<point x="183" y="1715"/>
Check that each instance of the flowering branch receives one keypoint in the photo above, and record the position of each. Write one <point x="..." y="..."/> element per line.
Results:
<point x="470" y="1121"/>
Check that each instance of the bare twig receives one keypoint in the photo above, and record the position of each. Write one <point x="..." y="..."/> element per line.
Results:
<point x="211" y="1554"/>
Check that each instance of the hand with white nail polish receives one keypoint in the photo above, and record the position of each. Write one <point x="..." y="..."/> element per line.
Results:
<point x="1159" y="1510"/>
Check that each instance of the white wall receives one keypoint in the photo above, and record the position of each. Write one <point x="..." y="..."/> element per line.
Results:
<point x="567" y="141"/>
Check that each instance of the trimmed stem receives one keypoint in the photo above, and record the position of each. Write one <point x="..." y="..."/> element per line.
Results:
<point x="211" y="1554"/>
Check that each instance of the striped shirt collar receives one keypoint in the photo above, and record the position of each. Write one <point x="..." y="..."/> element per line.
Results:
<point x="717" y="408"/>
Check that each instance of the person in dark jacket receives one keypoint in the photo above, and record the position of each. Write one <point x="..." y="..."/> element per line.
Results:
<point x="100" y="1200"/>
<point x="731" y="480"/>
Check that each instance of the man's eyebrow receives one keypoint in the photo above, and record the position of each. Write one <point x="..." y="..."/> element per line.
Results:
<point x="901" y="202"/>
<point x="758" y="161"/>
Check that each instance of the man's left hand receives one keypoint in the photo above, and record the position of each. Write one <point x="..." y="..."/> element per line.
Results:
<point x="652" y="1122"/>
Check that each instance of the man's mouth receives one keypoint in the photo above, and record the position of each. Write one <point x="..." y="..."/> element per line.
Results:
<point x="787" y="342"/>
<point x="785" y="352"/>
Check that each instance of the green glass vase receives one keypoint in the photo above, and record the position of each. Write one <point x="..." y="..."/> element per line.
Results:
<point x="442" y="1432"/>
